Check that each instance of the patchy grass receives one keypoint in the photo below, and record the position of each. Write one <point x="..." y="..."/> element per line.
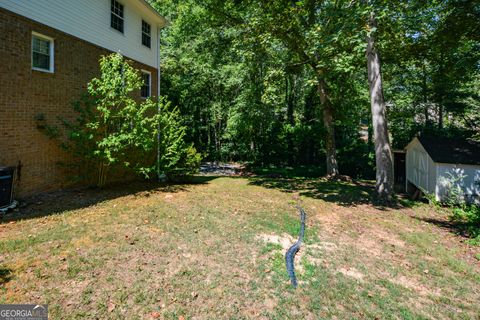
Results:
<point x="216" y="250"/>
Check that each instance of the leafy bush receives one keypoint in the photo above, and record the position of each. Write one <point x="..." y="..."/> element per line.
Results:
<point x="465" y="214"/>
<point x="113" y="133"/>
<point x="469" y="217"/>
<point x="177" y="158"/>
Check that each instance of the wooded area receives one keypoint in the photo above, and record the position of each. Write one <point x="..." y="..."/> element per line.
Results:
<point x="290" y="82"/>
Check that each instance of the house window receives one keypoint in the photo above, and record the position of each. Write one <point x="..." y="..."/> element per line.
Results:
<point x="146" y="34"/>
<point x="42" y="53"/>
<point x="147" y="83"/>
<point x="117" y="16"/>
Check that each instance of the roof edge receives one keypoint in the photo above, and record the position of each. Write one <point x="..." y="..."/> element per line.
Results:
<point x="450" y="150"/>
<point x="412" y="141"/>
<point x="147" y="5"/>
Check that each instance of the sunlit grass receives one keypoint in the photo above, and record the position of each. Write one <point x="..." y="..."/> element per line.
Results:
<point x="198" y="252"/>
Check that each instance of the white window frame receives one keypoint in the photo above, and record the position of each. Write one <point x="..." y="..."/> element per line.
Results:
<point x="51" y="53"/>
<point x="149" y="84"/>
<point x="116" y="15"/>
<point x="147" y="34"/>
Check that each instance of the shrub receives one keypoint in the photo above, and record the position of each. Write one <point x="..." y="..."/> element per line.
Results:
<point x="465" y="215"/>
<point x="469" y="217"/>
<point x="113" y="132"/>
<point x="177" y="158"/>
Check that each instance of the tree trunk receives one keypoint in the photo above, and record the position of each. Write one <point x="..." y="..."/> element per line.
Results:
<point x="441" y="91"/>
<point x="424" y="90"/>
<point x="440" y="116"/>
<point x="383" y="153"/>
<point x="290" y="99"/>
<point x="330" y="149"/>
<point x="308" y="150"/>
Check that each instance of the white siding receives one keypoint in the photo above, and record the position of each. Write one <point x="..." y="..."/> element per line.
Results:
<point x="90" y="20"/>
<point x="463" y="177"/>
<point x="420" y="167"/>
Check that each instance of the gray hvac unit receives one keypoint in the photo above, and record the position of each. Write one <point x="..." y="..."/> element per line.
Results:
<point x="7" y="175"/>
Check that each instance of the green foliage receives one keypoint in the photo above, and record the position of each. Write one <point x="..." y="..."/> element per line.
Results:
<point x="469" y="217"/>
<point x="244" y="93"/>
<point x="177" y="157"/>
<point x="114" y="134"/>
<point x="433" y="76"/>
<point x="466" y="215"/>
<point x="244" y="75"/>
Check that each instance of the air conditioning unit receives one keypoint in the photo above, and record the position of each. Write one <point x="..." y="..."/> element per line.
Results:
<point x="7" y="176"/>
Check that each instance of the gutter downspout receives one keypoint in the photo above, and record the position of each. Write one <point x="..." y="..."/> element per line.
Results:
<point x="160" y="175"/>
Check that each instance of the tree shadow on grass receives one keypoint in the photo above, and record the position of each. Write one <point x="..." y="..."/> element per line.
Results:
<point x="459" y="228"/>
<point x="340" y="192"/>
<point x="344" y="193"/>
<point x="57" y="202"/>
<point x="5" y="275"/>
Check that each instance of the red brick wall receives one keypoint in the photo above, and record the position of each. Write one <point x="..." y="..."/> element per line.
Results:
<point x="25" y="93"/>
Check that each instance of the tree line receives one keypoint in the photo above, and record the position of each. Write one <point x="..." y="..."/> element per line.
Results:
<point x="328" y="83"/>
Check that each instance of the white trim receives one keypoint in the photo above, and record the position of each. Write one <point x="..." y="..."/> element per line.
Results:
<point x="149" y="83"/>
<point x="116" y="15"/>
<point x="163" y="21"/>
<point x="148" y="34"/>
<point x="51" y="53"/>
<point x="411" y="142"/>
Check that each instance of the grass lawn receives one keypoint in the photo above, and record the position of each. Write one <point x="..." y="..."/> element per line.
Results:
<point x="215" y="250"/>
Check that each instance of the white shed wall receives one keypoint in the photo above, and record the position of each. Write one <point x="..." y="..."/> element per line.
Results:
<point x="90" y="20"/>
<point x="421" y="170"/>
<point x="463" y="177"/>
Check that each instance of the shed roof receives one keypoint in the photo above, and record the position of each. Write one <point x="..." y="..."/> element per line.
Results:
<point x="451" y="150"/>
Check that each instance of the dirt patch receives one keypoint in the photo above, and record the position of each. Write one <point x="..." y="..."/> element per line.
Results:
<point x="285" y="240"/>
<point x="352" y="273"/>
<point x="323" y="246"/>
<point x="416" y="286"/>
<point x="221" y="169"/>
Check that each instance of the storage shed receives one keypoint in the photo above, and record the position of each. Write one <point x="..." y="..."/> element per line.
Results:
<point x="444" y="167"/>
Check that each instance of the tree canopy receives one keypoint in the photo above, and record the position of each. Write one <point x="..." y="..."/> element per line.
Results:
<point x="285" y="82"/>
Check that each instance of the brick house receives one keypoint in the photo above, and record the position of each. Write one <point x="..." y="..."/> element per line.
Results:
<point x="49" y="50"/>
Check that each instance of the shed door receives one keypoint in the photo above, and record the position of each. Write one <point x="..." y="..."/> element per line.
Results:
<point x="421" y="169"/>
